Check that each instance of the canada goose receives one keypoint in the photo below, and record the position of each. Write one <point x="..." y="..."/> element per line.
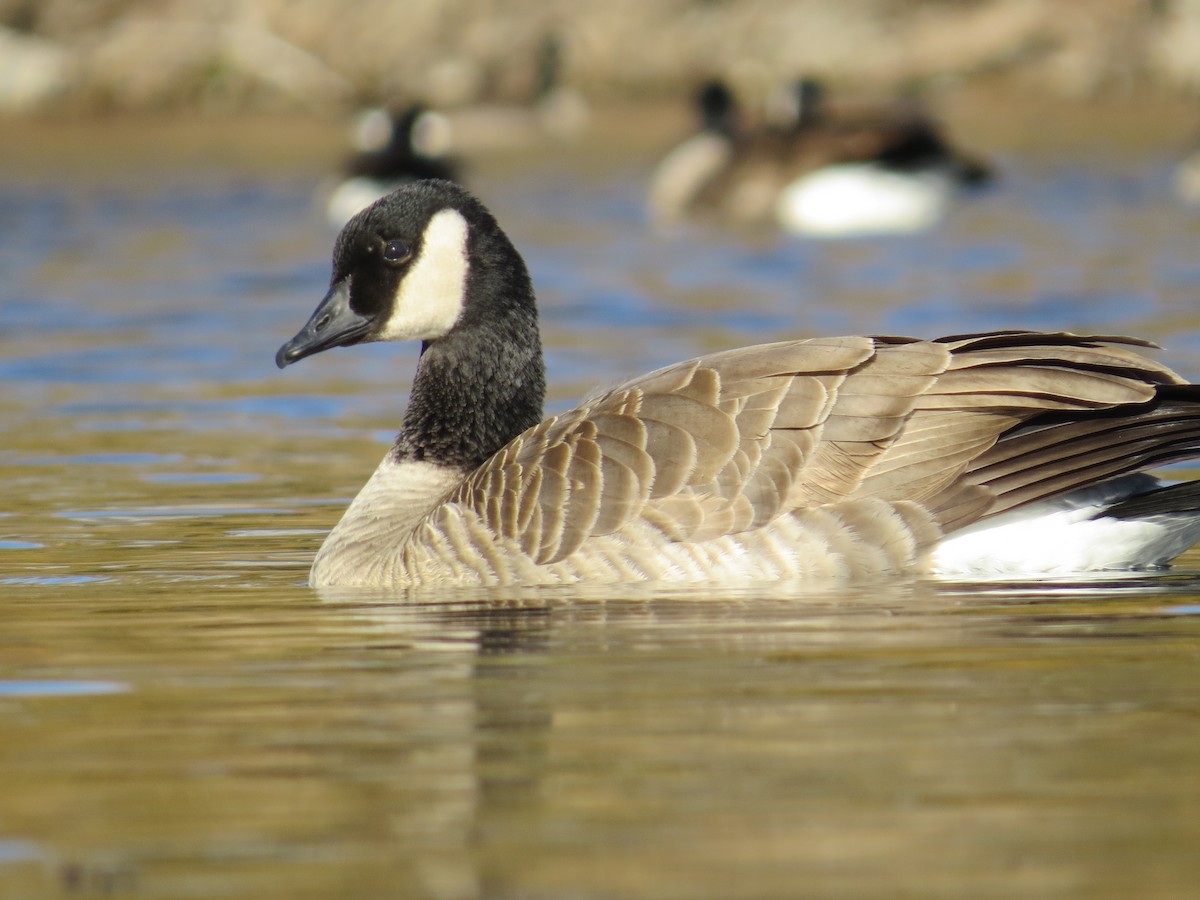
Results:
<point x="820" y="172"/>
<point x="393" y="147"/>
<point x="823" y="458"/>
<point x="886" y="171"/>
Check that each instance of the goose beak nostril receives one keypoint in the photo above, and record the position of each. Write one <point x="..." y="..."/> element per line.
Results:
<point x="332" y="324"/>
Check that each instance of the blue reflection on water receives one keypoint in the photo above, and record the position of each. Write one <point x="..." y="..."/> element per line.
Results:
<point x="196" y="281"/>
<point x="60" y="688"/>
<point x="52" y="580"/>
<point x="13" y="850"/>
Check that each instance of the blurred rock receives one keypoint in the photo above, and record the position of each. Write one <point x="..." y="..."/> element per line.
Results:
<point x="32" y="71"/>
<point x="142" y="63"/>
<point x="1177" y="48"/>
<point x="325" y="54"/>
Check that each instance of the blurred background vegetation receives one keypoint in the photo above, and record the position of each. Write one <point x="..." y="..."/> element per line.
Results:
<point x="327" y="56"/>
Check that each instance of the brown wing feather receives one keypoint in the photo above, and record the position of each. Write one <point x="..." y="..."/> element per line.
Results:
<point x="727" y="442"/>
<point x="692" y="447"/>
<point x="995" y="386"/>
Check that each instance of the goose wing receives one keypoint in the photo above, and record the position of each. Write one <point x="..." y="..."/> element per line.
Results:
<point x="968" y="447"/>
<point x="730" y="441"/>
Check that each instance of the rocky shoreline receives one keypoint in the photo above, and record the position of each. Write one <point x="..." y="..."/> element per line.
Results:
<point x="322" y="56"/>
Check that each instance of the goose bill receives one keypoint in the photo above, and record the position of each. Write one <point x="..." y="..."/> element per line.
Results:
<point x="332" y="324"/>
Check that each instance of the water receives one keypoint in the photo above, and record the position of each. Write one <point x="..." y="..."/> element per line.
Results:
<point x="181" y="717"/>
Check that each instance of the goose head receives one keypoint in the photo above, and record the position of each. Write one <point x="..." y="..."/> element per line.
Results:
<point x="414" y="266"/>
<point x="387" y="141"/>
<point x="717" y="108"/>
<point x="429" y="263"/>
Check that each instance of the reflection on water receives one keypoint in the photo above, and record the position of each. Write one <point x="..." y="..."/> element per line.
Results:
<point x="182" y="717"/>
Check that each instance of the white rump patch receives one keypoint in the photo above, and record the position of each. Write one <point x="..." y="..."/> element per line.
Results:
<point x="861" y="198"/>
<point x="431" y="295"/>
<point x="1064" y="536"/>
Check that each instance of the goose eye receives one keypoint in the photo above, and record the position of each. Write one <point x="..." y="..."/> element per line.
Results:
<point x="395" y="251"/>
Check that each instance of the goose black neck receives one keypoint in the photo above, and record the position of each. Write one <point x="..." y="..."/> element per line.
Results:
<point x="483" y="383"/>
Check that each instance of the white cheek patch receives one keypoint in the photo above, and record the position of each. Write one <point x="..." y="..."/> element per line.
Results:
<point x="431" y="295"/>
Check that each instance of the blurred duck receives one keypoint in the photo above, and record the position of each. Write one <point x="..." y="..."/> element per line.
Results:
<point x="882" y="171"/>
<point x="393" y="148"/>
<point x="818" y="172"/>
